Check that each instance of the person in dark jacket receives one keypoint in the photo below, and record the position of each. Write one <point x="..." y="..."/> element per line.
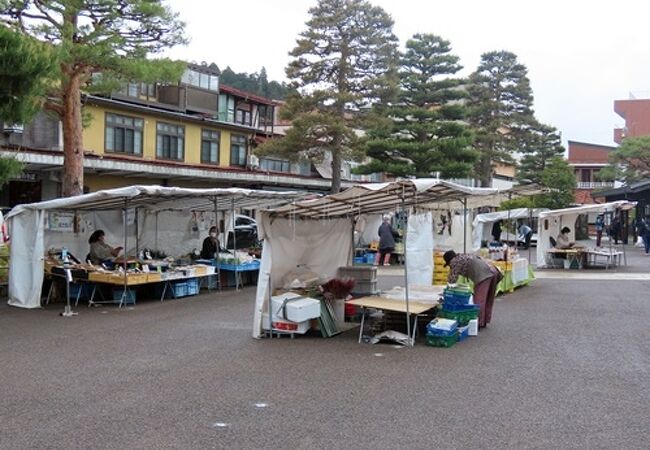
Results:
<point x="496" y="231"/>
<point x="386" y="242"/>
<point x="484" y="276"/>
<point x="210" y="245"/>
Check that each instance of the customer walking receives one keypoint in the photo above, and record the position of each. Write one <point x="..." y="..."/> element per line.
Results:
<point x="484" y="276"/>
<point x="600" y="226"/>
<point x="643" y="230"/>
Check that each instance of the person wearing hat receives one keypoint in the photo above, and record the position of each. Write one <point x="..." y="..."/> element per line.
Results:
<point x="484" y="276"/>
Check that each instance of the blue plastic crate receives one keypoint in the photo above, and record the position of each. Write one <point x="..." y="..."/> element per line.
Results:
<point x="359" y="260"/>
<point x="460" y="308"/>
<point x="178" y="289"/>
<point x="433" y="331"/>
<point x="463" y="332"/>
<point x="453" y="298"/>
<point x="192" y="286"/>
<point x="128" y="300"/>
<point x="83" y="290"/>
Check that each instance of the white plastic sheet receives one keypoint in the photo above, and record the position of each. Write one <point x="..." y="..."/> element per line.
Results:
<point x="322" y="246"/>
<point x="419" y="248"/>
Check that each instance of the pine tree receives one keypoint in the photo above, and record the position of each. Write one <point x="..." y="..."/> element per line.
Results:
<point x="343" y="63"/>
<point x="542" y="145"/>
<point x="501" y="110"/>
<point x="25" y="68"/>
<point x="97" y="43"/>
<point x="424" y="132"/>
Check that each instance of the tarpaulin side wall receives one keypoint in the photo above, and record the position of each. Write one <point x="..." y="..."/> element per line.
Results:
<point x="419" y="248"/>
<point x="26" y="262"/>
<point x="321" y="245"/>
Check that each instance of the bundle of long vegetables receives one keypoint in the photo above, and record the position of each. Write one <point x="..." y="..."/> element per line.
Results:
<point x="338" y="287"/>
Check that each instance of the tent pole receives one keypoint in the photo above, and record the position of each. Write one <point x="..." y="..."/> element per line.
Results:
<point x="234" y="242"/>
<point x="126" y="208"/>
<point x="137" y="237"/>
<point x="406" y="276"/>
<point x="216" y="255"/>
<point x="530" y="224"/>
<point x="465" y="225"/>
<point x="354" y="249"/>
<point x="156" y="237"/>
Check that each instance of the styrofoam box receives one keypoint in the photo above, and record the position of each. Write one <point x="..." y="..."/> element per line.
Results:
<point x="285" y="326"/>
<point x="473" y="327"/>
<point x="298" y="310"/>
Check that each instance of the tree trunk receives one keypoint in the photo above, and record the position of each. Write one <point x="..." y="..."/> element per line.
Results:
<point x="485" y="171"/>
<point x="73" y="155"/>
<point x="336" y="169"/>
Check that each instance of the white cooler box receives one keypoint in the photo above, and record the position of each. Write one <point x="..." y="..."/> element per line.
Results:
<point x="294" y="307"/>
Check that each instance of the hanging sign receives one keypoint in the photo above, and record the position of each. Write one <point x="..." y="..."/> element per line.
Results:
<point x="60" y="221"/>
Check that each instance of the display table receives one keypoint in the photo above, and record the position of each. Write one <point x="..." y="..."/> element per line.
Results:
<point x="571" y="257"/>
<point x="386" y="304"/>
<point x="516" y="273"/>
<point x="603" y="257"/>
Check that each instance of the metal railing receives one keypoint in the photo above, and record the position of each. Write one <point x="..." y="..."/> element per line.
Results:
<point x="594" y="184"/>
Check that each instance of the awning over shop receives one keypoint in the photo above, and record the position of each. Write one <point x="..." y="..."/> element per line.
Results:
<point x="28" y="223"/>
<point x="422" y="193"/>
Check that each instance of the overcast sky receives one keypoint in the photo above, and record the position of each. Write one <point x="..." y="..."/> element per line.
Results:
<point x="581" y="55"/>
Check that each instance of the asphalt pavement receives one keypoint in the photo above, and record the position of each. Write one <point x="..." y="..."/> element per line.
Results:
<point x="565" y="363"/>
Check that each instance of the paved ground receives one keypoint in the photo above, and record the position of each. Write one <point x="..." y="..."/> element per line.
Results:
<point x="564" y="364"/>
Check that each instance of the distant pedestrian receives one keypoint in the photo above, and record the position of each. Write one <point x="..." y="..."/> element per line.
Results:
<point x="615" y="229"/>
<point x="600" y="226"/>
<point x="496" y="231"/>
<point x="643" y="230"/>
<point x="525" y="234"/>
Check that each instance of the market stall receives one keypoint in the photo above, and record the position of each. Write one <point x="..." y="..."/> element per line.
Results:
<point x="318" y="234"/>
<point x="578" y="256"/>
<point x="130" y="215"/>
<point x="482" y="224"/>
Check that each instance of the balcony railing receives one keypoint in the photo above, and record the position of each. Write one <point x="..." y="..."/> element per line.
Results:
<point x="594" y="184"/>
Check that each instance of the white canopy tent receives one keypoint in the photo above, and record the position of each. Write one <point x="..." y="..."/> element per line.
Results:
<point x="319" y="233"/>
<point x="114" y="209"/>
<point x="551" y="222"/>
<point x="482" y="225"/>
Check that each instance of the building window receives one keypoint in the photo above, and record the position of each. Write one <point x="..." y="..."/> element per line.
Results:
<point x="238" y="150"/>
<point x="200" y="79"/>
<point x="210" y="147"/>
<point x="170" y="142"/>
<point x="243" y="117"/>
<point x="275" y="165"/>
<point x="123" y="134"/>
<point x="265" y="113"/>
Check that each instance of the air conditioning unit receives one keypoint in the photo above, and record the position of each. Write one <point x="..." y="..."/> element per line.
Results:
<point x="253" y="161"/>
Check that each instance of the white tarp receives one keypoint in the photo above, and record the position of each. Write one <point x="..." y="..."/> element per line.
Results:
<point x="419" y="248"/>
<point x="321" y="246"/>
<point x="482" y="225"/>
<point x="177" y="233"/>
<point x="551" y="222"/>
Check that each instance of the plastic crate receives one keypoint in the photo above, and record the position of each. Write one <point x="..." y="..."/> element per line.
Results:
<point x="456" y="298"/>
<point x="83" y="291"/>
<point x="360" y="274"/>
<point x="192" y="286"/>
<point x="128" y="300"/>
<point x="359" y="260"/>
<point x="179" y="289"/>
<point x="459" y="308"/>
<point x="442" y="341"/>
<point x="365" y="287"/>
<point x="432" y="330"/>
<point x="462" y="317"/>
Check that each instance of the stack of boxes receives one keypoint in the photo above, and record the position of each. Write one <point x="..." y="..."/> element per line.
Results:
<point x="440" y="272"/>
<point x="442" y="333"/>
<point x="457" y="306"/>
